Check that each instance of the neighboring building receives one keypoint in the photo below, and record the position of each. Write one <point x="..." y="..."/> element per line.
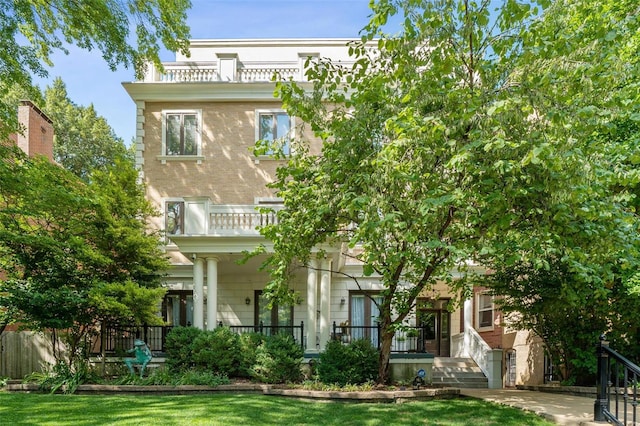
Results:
<point x="197" y="123"/>
<point x="24" y="352"/>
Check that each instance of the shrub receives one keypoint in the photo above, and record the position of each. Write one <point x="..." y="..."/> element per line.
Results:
<point x="249" y="343"/>
<point x="217" y="351"/>
<point x="278" y="360"/>
<point x="179" y="348"/>
<point x="353" y="364"/>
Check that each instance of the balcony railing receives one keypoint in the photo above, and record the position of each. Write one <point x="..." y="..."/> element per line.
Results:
<point x="208" y="72"/>
<point x="225" y="220"/>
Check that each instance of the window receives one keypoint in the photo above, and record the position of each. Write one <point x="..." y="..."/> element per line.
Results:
<point x="181" y="131"/>
<point x="364" y="315"/>
<point x="174" y="222"/>
<point x="275" y="127"/>
<point x="485" y="310"/>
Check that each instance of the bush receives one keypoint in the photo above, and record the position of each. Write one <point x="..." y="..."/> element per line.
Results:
<point x="353" y="364"/>
<point x="217" y="351"/>
<point x="278" y="360"/>
<point x="249" y="343"/>
<point x="179" y="348"/>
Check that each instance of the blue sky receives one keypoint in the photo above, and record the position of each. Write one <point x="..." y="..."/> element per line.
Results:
<point x="89" y="80"/>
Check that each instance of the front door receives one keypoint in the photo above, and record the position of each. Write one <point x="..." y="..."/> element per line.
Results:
<point x="277" y="318"/>
<point x="433" y="319"/>
<point x="177" y="308"/>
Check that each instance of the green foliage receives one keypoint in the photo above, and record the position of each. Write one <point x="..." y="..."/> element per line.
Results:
<point x="104" y="25"/>
<point x="217" y="351"/>
<point x="75" y="253"/>
<point x="354" y="364"/>
<point x="179" y="348"/>
<point x="278" y="360"/>
<point x="467" y="137"/>
<point x="63" y="378"/>
<point x="248" y="346"/>
<point x="83" y="141"/>
<point x="164" y="377"/>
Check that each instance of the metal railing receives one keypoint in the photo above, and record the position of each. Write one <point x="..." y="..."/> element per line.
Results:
<point x="296" y="331"/>
<point x="617" y="384"/>
<point x="119" y="339"/>
<point x="410" y="339"/>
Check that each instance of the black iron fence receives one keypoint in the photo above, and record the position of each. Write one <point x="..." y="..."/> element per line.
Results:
<point x="408" y="339"/>
<point x="617" y="387"/>
<point x="117" y="340"/>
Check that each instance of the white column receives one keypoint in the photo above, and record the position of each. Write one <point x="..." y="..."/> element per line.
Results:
<point x="198" y="295"/>
<point x="468" y="323"/>
<point x="212" y="292"/>
<point x="312" y="290"/>
<point x="325" y="303"/>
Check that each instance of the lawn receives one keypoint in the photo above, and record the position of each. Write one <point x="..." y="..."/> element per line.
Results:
<point x="246" y="409"/>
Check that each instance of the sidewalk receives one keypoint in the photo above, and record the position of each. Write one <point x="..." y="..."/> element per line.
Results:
<point x="558" y="408"/>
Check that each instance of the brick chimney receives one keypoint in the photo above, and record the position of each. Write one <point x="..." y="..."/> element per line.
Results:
<point x="37" y="136"/>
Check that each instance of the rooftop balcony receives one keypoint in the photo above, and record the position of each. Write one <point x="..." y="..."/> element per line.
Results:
<point x="193" y="72"/>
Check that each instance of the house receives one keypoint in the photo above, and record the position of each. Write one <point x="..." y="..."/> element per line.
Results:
<point x="197" y="123"/>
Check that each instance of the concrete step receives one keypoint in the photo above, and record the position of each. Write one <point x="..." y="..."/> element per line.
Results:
<point x="458" y="372"/>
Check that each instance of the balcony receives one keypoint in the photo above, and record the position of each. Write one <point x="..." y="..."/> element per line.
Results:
<point x="200" y="217"/>
<point x="196" y="72"/>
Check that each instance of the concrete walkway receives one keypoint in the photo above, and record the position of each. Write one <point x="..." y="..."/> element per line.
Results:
<point x="559" y="408"/>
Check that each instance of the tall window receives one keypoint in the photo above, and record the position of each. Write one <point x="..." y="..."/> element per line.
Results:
<point x="181" y="133"/>
<point x="174" y="223"/>
<point x="364" y="315"/>
<point x="274" y="126"/>
<point x="485" y="310"/>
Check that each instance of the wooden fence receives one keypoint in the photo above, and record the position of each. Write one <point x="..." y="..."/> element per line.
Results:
<point x="23" y="352"/>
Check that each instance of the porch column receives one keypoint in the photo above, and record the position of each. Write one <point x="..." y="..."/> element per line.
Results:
<point x="312" y="291"/>
<point x="325" y="303"/>
<point x="212" y="292"/>
<point x="468" y="323"/>
<point x="198" y="296"/>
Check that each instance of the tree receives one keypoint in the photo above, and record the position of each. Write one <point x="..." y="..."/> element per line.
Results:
<point x="83" y="141"/>
<point x="465" y="137"/>
<point x="31" y="31"/>
<point x="75" y="254"/>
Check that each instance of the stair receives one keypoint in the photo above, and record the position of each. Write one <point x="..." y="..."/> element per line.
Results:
<point x="458" y="372"/>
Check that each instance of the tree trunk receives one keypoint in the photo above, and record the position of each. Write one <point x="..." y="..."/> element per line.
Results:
<point x="385" y="354"/>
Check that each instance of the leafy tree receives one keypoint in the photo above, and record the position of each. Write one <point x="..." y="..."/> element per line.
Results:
<point x="83" y="141"/>
<point x="32" y="31"/>
<point x="465" y="137"/>
<point x="75" y="254"/>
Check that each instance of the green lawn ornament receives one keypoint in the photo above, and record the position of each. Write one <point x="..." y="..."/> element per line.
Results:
<point x="142" y="356"/>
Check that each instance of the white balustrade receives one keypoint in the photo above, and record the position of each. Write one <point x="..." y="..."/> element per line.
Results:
<point x="238" y="220"/>
<point x="268" y="73"/>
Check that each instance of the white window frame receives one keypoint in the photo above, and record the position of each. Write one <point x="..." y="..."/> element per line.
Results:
<point x="480" y="308"/>
<point x="163" y="157"/>
<point x="292" y="126"/>
<point x="165" y="201"/>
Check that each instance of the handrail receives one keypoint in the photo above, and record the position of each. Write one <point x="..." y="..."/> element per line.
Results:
<point x="617" y="381"/>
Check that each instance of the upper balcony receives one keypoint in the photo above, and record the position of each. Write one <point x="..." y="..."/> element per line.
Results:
<point x="196" y="72"/>
<point x="197" y="216"/>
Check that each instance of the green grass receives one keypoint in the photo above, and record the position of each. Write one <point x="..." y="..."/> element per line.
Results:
<point x="246" y="409"/>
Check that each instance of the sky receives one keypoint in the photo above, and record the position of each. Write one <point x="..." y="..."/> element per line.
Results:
<point x="90" y="81"/>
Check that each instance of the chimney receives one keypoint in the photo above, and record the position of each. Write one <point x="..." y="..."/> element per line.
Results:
<point x="37" y="137"/>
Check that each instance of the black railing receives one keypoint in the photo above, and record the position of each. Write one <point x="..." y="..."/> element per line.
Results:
<point x="120" y="339"/>
<point x="617" y="384"/>
<point x="296" y="331"/>
<point x="409" y="339"/>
